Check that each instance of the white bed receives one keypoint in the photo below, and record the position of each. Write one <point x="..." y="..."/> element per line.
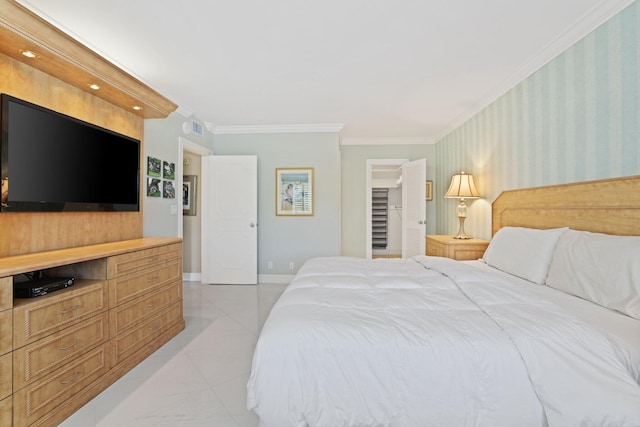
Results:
<point x="434" y="342"/>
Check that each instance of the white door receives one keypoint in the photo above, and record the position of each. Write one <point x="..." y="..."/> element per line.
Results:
<point x="229" y="220"/>
<point x="414" y="211"/>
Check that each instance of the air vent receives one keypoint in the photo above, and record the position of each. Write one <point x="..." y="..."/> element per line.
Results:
<point x="197" y="128"/>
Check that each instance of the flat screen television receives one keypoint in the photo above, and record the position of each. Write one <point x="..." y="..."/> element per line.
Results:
<point x="51" y="162"/>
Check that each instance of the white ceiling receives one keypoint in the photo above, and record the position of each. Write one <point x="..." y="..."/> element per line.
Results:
<point x="409" y="70"/>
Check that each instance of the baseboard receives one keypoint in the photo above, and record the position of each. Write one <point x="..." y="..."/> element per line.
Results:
<point x="275" y="278"/>
<point x="190" y="277"/>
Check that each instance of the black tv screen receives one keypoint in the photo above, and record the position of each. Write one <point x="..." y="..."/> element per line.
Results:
<point x="53" y="162"/>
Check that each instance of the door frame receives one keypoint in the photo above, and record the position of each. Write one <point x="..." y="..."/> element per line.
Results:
<point x="191" y="147"/>
<point x="370" y="164"/>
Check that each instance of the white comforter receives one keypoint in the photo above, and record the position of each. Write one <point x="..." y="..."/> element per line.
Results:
<point x="430" y="342"/>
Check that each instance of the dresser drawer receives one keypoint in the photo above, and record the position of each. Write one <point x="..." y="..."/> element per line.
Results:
<point x="43" y="396"/>
<point x="6" y="331"/>
<point x="6" y="293"/>
<point x="133" y="261"/>
<point x="41" y="357"/>
<point x="5" y="376"/>
<point x="126" y="288"/>
<point x="126" y="316"/>
<point x="127" y="343"/>
<point x="51" y="313"/>
<point x="6" y="411"/>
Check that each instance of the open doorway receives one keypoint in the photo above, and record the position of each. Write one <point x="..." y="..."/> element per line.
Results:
<point x="396" y="210"/>
<point x="384" y="207"/>
<point x="189" y="224"/>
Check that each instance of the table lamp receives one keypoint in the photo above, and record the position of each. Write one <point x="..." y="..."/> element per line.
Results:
<point x="462" y="187"/>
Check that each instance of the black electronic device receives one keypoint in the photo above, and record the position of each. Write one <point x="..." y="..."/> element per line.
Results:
<point x="42" y="286"/>
<point x="53" y="162"/>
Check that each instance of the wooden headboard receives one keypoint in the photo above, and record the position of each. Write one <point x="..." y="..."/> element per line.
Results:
<point x="609" y="206"/>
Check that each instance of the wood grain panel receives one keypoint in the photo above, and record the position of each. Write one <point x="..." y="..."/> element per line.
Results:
<point x="125" y="288"/>
<point x="127" y="315"/>
<point x="128" y="343"/>
<point x="134" y="261"/>
<point x="35" y="232"/>
<point x="6" y="293"/>
<point x="6" y="331"/>
<point x="69" y="60"/>
<point x="51" y="313"/>
<point x="41" y="397"/>
<point x="38" y="359"/>
<point x="6" y="411"/>
<point x="609" y="206"/>
<point x="5" y="376"/>
<point x="46" y="260"/>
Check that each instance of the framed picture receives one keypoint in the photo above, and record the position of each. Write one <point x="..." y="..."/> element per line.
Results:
<point x="189" y="195"/>
<point x="153" y="187"/>
<point x="168" y="170"/>
<point x="429" y="191"/>
<point x="168" y="190"/>
<point x="294" y="191"/>
<point x="154" y="167"/>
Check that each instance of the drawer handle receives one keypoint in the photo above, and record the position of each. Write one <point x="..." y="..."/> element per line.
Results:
<point x="154" y="259"/>
<point x="153" y="279"/>
<point x="150" y="305"/>
<point x="69" y="310"/>
<point x="77" y="341"/>
<point x="153" y="327"/>
<point x="73" y="378"/>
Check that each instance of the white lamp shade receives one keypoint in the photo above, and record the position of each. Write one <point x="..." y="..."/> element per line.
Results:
<point x="462" y="187"/>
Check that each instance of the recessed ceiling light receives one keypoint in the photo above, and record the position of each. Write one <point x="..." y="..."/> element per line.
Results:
<point x="29" y="53"/>
<point x="94" y="86"/>
<point x="137" y="107"/>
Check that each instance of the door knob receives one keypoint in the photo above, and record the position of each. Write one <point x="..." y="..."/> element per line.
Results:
<point x="252" y="225"/>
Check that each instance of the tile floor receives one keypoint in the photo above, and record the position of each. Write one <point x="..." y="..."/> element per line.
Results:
<point x="199" y="377"/>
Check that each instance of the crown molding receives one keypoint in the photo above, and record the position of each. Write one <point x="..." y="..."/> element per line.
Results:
<point x="387" y="141"/>
<point x="231" y="130"/>
<point x="183" y="111"/>
<point x="589" y="22"/>
<point x="61" y="56"/>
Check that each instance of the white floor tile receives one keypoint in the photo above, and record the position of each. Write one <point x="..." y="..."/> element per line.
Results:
<point x="199" y="377"/>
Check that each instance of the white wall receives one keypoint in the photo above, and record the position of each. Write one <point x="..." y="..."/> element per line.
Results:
<point x="354" y="187"/>
<point x="282" y="239"/>
<point x="161" y="141"/>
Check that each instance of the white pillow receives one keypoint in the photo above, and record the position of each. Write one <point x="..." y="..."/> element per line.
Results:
<point x="523" y="252"/>
<point x="601" y="268"/>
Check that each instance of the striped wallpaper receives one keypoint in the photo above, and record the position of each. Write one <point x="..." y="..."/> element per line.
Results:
<point x="575" y="119"/>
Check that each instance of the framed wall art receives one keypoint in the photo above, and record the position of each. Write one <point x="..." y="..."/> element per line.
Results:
<point x="429" y="191"/>
<point x="189" y="192"/>
<point x="294" y="191"/>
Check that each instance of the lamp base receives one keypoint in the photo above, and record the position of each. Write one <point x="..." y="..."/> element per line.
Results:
<point x="461" y="234"/>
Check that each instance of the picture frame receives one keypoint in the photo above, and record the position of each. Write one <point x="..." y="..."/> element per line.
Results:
<point x="168" y="190"/>
<point x="189" y="192"/>
<point x="168" y="170"/>
<point x="154" y="167"/>
<point x="153" y="187"/>
<point x="429" y="191"/>
<point x="294" y="192"/>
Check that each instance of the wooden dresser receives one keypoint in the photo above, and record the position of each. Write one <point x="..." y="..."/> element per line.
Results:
<point x="58" y="351"/>
<point x="458" y="249"/>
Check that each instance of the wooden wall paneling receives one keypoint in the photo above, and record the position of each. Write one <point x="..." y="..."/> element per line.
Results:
<point x="62" y="56"/>
<point x="6" y="316"/>
<point x="33" y="232"/>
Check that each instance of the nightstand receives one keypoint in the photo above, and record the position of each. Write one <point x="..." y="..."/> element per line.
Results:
<point x="458" y="249"/>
